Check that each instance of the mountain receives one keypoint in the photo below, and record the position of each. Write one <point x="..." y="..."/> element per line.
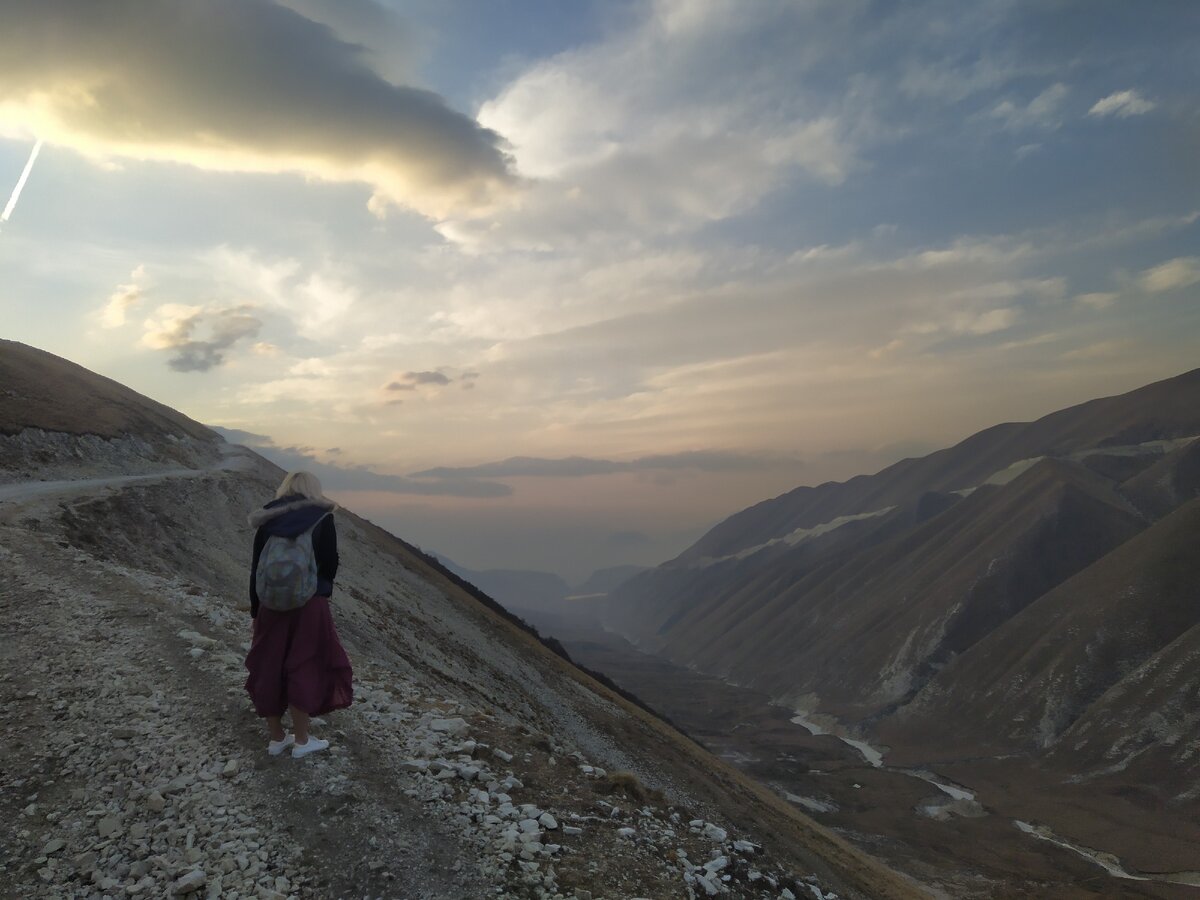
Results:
<point x="543" y="598"/>
<point x="604" y="581"/>
<point x="1015" y="616"/>
<point x="57" y="418"/>
<point x="1101" y="668"/>
<point x="862" y="598"/>
<point x="516" y="589"/>
<point x="132" y="763"/>
<point x="1164" y="411"/>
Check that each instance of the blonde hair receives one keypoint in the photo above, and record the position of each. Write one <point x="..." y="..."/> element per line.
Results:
<point x="306" y="484"/>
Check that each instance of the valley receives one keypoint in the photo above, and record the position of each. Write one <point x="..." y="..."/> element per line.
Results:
<point x="961" y="829"/>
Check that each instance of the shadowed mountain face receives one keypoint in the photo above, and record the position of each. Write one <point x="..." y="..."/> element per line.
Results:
<point x="1102" y="669"/>
<point x="1032" y="589"/>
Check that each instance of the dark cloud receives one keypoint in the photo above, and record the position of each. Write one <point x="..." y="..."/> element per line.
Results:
<point x="357" y="478"/>
<point x="582" y="466"/>
<point x="392" y="48"/>
<point x="427" y="378"/>
<point x="198" y="339"/>
<point x="246" y="85"/>
<point x="412" y="380"/>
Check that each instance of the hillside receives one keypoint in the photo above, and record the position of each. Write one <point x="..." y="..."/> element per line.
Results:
<point x="1071" y="671"/>
<point x="949" y="581"/>
<point x="1016" y="613"/>
<point x="1164" y="410"/>
<point x="849" y="597"/>
<point x="132" y="762"/>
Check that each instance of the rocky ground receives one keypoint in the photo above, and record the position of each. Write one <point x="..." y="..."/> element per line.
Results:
<point x="132" y="764"/>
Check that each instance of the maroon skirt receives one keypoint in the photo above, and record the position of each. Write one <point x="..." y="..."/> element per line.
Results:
<point x="296" y="659"/>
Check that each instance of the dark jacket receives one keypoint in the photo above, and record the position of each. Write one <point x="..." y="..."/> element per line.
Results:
<point x="287" y="517"/>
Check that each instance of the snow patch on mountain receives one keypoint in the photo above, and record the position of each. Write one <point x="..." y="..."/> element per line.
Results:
<point x="792" y="538"/>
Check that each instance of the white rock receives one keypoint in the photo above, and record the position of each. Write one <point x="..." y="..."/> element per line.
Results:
<point x="627" y="832"/>
<point x="529" y="825"/>
<point x="548" y="821"/>
<point x="456" y="727"/>
<point x="501" y="755"/>
<point x="713" y="833"/>
<point x="197" y="639"/>
<point x="571" y="829"/>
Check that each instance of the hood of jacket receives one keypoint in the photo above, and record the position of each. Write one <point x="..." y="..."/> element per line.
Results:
<point x="291" y="515"/>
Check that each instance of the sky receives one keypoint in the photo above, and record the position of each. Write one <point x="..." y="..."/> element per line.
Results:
<point x="561" y="285"/>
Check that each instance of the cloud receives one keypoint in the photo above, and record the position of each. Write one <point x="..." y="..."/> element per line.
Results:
<point x="391" y="47"/>
<point x="582" y="466"/>
<point x="693" y="114"/>
<point x="1183" y="271"/>
<point x="249" y="86"/>
<point x="358" y="478"/>
<point x="1096" y="300"/>
<point x="1121" y="104"/>
<point x="1100" y="350"/>
<point x="413" y="380"/>
<point x="198" y="337"/>
<point x="124" y="298"/>
<point x="426" y="378"/>
<point x="1043" y="111"/>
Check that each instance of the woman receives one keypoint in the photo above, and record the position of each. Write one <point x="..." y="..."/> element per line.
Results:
<point x="296" y="661"/>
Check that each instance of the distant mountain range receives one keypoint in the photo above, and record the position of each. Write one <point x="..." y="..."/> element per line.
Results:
<point x="1033" y="589"/>
<point x="538" y="594"/>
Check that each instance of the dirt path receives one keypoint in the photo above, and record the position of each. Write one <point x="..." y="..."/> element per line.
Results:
<point x="132" y="764"/>
<point x="23" y="493"/>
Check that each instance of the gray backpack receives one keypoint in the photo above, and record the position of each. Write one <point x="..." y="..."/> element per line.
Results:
<point x="286" y="576"/>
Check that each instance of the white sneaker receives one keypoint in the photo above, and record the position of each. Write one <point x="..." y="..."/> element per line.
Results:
<point x="277" y="747"/>
<point x="314" y="745"/>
